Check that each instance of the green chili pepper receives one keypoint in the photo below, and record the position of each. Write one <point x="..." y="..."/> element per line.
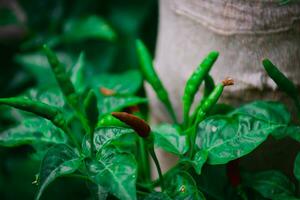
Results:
<point x="212" y="99"/>
<point x="209" y="102"/>
<point x="51" y="113"/>
<point x="282" y="82"/>
<point x="54" y="114"/>
<point x="205" y="107"/>
<point x="152" y="78"/>
<point x="194" y="83"/>
<point x="209" y="86"/>
<point x="61" y="76"/>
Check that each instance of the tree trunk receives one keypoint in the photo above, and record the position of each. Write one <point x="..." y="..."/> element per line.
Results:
<point x="244" y="32"/>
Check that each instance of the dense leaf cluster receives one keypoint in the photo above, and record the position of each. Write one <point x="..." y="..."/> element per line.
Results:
<point x="75" y="135"/>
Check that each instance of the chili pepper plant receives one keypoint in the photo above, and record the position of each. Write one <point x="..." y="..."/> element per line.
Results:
<point x="101" y="136"/>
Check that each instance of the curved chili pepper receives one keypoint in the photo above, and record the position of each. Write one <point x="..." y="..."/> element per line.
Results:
<point x="194" y="82"/>
<point x="282" y="82"/>
<point x="136" y="123"/>
<point x="212" y="99"/>
<point x="46" y="111"/>
<point x="61" y="76"/>
<point x="152" y="78"/>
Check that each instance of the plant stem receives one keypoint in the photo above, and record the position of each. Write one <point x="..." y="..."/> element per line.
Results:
<point x="144" y="160"/>
<point x="91" y="133"/>
<point x="200" y="118"/>
<point x="161" y="179"/>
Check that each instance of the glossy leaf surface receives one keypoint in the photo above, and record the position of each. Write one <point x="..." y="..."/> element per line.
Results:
<point x="115" y="172"/>
<point x="169" y="138"/>
<point x="234" y="135"/>
<point x="105" y="136"/>
<point x="48" y="95"/>
<point x="199" y="159"/>
<point x="31" y="131"/>
<point x="59" y="160"/>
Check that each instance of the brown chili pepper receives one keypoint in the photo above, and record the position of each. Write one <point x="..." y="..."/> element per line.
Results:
<point x="139" y="125"/>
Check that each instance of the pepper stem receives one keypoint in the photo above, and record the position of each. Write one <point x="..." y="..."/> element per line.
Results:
<point x="161" y="179"/>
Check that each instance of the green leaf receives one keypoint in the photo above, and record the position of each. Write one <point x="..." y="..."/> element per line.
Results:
<point x="104" y="136"/>
<point x="48" y="95"/>
<point x="273" y="112"/>
<point x="199" y="159"/>
<point x="169" y="138"/>
<point x="117" y="103"/>
<point x="232" y="136"/>
<point x="92" y="27"/>
<point x="291" y="131"/>
<point x="183" y="186"/>
<point x="60" y="160"/>
<point x="115" y="172"/>
<point x="77" y="73"/>
<point x="36" y="63"/>
<point x="270" y="184"/>
<point x="126" y="83"/>
<point x="127" y="143"/>
<point x="297" y="167"/>
<point x="97" y="191"/>
<point x="31" y="131"/>
<point x="157" y="196"/>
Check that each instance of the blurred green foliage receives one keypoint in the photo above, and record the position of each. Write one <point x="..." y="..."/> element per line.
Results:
<point x="104" y="30"/>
